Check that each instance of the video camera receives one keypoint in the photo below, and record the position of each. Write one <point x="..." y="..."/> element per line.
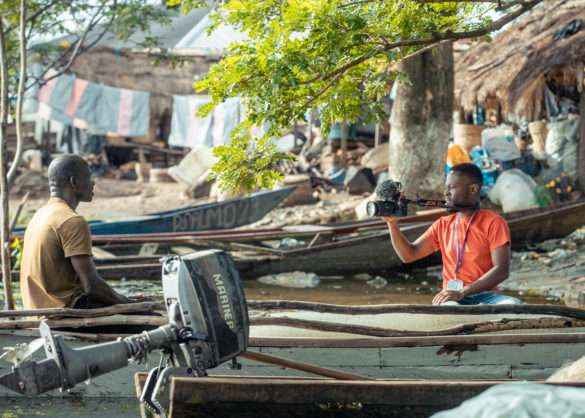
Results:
<point x="393" y="202"/>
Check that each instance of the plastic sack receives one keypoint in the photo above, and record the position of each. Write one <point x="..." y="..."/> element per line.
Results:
<point x="561" y="145"/>
<point x="193" y="166"/>
<point x="514" y="190"/>
<point x="522" y="400"/>
<point x="499" y="144"/>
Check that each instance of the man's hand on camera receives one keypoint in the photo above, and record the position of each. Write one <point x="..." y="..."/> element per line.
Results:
<point x="447" y="295"/>
<point x="390" y="219"/>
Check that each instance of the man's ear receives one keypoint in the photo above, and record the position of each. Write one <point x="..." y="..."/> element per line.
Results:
<point x="73" y="182"/>
<point x="475" y="188"/>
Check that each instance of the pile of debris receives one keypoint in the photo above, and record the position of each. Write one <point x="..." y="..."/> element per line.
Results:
<point x="554" y="269"/>
<point x="330" y="181"/>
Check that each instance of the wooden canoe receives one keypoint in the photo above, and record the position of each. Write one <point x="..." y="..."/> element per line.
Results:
<point x="211" y="216"/>
<point x="428" y="346"/>
<point x="337" y="249"/>
<point x="261" y="397"/>
<point x="371" y="251"/>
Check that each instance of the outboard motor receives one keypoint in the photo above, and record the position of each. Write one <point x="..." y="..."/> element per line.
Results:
<point x="208" y="325"/>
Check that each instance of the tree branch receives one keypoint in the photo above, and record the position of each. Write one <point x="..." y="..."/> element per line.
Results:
<point x="342" y="69"/>
<point x="11" y="176"/>
<point x="322" y="91"/>
<point x="4" y="222"/>
<point x="75" y="50"/>
<point x="430" y="42"/>
<point x="32" y="18"/>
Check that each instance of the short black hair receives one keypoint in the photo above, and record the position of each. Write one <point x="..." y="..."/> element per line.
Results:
<point x="471" y="171"/>
<point x="64" y="167"/>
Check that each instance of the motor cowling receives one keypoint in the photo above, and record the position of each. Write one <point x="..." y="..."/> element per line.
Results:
<point x="203" y="292"/>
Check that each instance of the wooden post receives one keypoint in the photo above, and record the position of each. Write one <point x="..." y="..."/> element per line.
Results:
<point x="295" y="133"/>
<point x="581" y="153"/>
<point x="310" y="137"/>
<point x="4" y="221"/>
<point x="344" y="136"/>
<point x="377" y="134"/>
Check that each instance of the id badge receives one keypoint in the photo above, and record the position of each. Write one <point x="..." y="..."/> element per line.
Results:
<point x="454" y="284"/>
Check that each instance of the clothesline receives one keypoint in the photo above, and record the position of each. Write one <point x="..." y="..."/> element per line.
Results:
<point x="99" y="108"/>
<point x="102" y="109"/>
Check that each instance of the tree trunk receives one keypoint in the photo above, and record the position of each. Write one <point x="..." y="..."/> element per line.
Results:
<point x="421" y="121"/>
<point x="19" y="96"/>
<point x="4" y="221"/>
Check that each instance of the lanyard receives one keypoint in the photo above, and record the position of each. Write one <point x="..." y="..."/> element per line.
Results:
<point x="460" y="251"/>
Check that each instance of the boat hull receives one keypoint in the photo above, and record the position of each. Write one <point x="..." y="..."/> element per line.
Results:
<point x="283" y="397"/>
<point x="372" y="252"/>
<point x="525" y="354"/>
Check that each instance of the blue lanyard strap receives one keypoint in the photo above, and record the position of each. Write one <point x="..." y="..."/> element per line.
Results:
<point x="460" y="251"/>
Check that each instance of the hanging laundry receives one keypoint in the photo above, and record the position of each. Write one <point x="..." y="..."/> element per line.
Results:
<point x="188" y="130"/>
<point x="226" y="117"/>
<point x="56" y="92"/>
<point x="100" y="109"/>
<point x="123" y="112"/>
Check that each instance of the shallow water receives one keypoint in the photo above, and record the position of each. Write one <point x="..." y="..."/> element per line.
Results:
<point x="416" y="288"/>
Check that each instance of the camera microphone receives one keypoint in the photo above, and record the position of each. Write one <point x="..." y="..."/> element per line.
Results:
<point x="388" y="190"/>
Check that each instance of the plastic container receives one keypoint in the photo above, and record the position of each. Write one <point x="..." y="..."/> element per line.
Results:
<point x="457" y="155"/>
<point x="193" y="166"/>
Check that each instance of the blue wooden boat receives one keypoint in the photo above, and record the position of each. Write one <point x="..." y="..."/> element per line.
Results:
<point x="221" y="215"/>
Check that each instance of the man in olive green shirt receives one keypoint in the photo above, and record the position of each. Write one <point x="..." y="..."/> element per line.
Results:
<point x="57" y="268"/>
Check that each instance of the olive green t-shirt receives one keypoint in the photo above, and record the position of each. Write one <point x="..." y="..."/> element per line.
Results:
<point x="47" y="277"/>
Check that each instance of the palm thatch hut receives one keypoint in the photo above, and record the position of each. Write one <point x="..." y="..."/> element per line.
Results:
<point x="511" y="72"/>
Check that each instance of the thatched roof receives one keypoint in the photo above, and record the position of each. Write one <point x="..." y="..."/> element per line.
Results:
<point x="512" y="67"/>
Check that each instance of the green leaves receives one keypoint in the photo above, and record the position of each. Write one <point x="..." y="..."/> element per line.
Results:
<point x="333" y="55"/>
<point x="246" y="165"/>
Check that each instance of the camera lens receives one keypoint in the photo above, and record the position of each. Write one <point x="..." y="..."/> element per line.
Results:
<point x="372" y="209"/>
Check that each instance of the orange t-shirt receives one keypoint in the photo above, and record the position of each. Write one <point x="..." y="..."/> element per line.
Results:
<point x="487" y="232"/>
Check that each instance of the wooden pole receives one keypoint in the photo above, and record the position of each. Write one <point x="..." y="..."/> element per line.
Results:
<point x="304" y="367"/>
<point x="581" y="152"/>
<point x="463" y="329"/>
<point x="114" y="320"/>
<point x="310" y="137"/>
<point x="555" y="310"/>
<point x="4" y="220"/>
<point x="377" y="134"/>
<point x="344" y="137"/>
<point x="126" y="308"/>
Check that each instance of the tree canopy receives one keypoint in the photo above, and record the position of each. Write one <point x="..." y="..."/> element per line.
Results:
<point x="336" y="56"/>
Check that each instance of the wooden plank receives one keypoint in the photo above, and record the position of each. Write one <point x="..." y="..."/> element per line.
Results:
<point x="526" y="309"/>
<point x="506" y="324"/>
<point x="301" y="366"/>
<point x="455" y="340"/>
<point x="282" y="397"/>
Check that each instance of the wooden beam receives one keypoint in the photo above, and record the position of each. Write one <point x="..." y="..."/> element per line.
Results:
<point x="581" y="149"/>
<point x="530" y="309"/>
<point x="451" y="340"/>
<point x="462" y="329"/>
<point x="301" y="366"/>
<point x="86" y="313"/>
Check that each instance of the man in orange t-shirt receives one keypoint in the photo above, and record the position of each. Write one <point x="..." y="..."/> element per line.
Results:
<point x="474" y="244"/>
